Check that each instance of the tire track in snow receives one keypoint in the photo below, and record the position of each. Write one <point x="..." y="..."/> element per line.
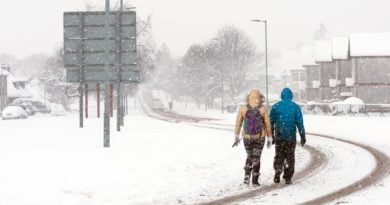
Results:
<point x="380" y="171"/>
<point x="317" y="160"/>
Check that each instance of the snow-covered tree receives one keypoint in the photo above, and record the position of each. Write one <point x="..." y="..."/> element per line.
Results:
<point x="53" y="75"/>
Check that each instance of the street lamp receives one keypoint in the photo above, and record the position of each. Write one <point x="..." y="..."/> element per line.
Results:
<point x="266" y="57"/>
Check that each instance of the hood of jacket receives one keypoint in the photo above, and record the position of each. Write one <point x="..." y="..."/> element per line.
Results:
<point x="286" y="94"/>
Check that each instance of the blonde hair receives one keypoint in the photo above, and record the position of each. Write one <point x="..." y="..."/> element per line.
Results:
<point x="255" y="95"/>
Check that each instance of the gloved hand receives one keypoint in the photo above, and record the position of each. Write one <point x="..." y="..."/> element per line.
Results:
<point x="269" y="142"/>
<point x="237" y="140"/>
<point x="303" y="141"/>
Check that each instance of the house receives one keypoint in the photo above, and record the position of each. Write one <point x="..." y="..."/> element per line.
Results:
<point x="11" y="87"/>
<point x="370" y="59"/>
<point x="293" y="74"/>
<point x="340" y="55"/>
<point x="358" y="65"/>
<point x="312" y="70"/>
<point x="323" y="56"/>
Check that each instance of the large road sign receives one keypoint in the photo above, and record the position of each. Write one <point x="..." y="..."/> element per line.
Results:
<point x="85" y="46"/>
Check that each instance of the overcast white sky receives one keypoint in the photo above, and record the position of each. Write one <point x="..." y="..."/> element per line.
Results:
<point x="33" y="26"/>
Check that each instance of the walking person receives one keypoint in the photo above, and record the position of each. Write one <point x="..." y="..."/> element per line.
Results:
<point x="254" y="119"/>
<point x="286" y="116"/>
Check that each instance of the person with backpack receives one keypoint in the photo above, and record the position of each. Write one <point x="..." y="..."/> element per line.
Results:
<point x="254" y="119"/>
<point x="286" y="116"/>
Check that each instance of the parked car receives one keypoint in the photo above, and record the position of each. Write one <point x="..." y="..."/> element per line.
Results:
<point x="28" y="107"/>
<point x="13" y="112"/>
<point x="157" y="104"/>
<point x="36" y="105"/>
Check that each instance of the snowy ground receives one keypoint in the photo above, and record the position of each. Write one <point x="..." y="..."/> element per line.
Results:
<point x="49" y="160"/>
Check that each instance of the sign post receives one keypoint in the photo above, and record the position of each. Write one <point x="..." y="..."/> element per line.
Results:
<point x="100" y="48"/>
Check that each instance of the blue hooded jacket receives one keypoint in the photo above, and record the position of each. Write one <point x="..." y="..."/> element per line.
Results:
<point x="285" y="117"/>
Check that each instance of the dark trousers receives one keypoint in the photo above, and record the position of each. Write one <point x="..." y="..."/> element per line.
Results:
<point x="284" y="158"/>
<point x="253" y="148"/>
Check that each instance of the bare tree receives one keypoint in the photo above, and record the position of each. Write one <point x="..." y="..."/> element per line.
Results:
<point x="237" y="54"/>
<point x="146" y="48"/>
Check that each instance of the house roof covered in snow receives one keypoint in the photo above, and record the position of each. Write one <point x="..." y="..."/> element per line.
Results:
<point x="340" y="48"/>
<point x="12" y="91"/>
<point x="291" y="60"/>
<point x="307" y="55"/>
<point x="370" y="44"/>
<point x="323" y="51"/>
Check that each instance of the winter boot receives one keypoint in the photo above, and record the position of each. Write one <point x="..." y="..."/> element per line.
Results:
<point x="248" y="171"/>
<point x="255" y="181"/>
<point x="288" y="181"/>
<point x="246" y="179"/>
<point x="277" y="178"/>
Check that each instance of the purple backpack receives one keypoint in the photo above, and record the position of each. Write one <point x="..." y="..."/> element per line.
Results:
<point x="252" y="121"/>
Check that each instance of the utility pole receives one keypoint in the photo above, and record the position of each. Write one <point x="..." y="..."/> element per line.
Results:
<point x="119" y="118"/>
<point x="266" y="57"/>
<point x="266" y="62"/>
<point x="106" y="83"/>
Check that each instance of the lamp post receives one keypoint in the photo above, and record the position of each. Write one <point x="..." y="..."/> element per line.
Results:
<point x="266" y="57"/>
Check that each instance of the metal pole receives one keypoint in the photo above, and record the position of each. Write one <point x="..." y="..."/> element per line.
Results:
<point x="122" y="105"/>
<point x="81" y="66"/>
<point x="320" y="79"/>
<point x="119" y="57"/>
<point x="266" y="57"/>
<point x="266" y="63"/>
<point x="106" y="84"/>
<point x="86" y="100"/>
<point x="222" y="76"/>
<point x="354" y="76"/>
<point x="222" y="92"/>
<point x="122" y="89"/>
<point x="337" y="79"/>
<point x="98" y="99"/>
<point x="111" y="100"/>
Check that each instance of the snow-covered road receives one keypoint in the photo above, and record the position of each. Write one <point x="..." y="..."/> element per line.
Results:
<point x="49" y="160"/>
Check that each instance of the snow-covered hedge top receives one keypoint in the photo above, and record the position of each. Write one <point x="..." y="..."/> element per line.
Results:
<point x="340" y="48"/>
<point x="370" y="44"/>
<point x="323" y="51"/>
<point x="354" y="101"/>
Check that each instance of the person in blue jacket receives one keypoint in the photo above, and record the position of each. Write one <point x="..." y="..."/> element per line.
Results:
<point x="285" y="117"/>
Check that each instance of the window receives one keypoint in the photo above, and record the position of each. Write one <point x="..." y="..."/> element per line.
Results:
<point x="295" y="76"/>
<point x="303" y="76"/>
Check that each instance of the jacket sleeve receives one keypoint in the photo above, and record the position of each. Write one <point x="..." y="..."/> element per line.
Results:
<point x="239" y="121"/>
<point x="299" y="122"/>
<point x="267" y="122"/>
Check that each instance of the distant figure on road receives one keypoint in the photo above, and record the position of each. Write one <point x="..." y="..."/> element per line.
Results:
<point x="256" y="126"/>
<point x="170" y="105"/>
<point x="286" y="116"/>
